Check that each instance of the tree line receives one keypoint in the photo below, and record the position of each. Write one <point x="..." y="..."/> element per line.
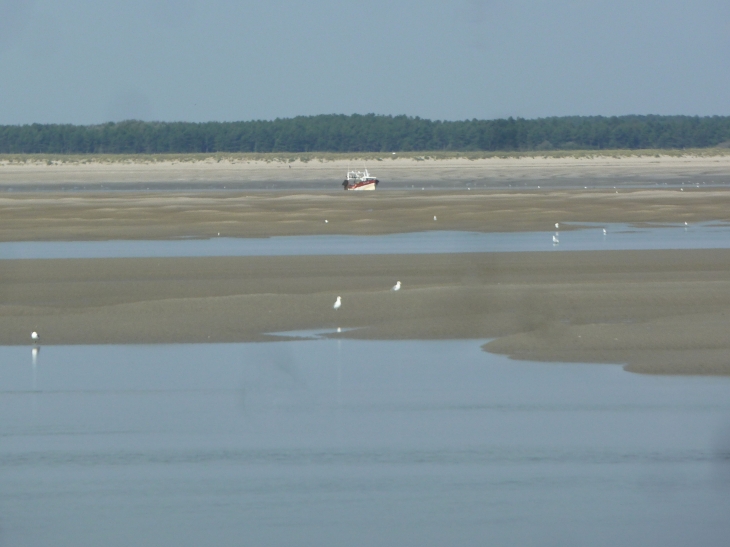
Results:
<point x="369" y="133"/>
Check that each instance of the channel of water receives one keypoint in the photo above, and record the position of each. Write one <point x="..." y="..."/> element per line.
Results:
<point x="589" y="238"/>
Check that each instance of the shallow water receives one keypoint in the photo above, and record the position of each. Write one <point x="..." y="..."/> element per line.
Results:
<point x="342" y="442"/>
<point x="591" y="238"/>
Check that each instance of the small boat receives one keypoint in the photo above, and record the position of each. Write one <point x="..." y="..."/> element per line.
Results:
<point x="360" y="180"/>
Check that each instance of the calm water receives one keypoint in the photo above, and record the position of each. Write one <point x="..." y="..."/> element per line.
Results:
<point x="618" y="237"/>
<point x="340" y="442"/>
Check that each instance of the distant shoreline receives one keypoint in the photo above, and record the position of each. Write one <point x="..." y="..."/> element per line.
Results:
<point x="288" y="157"/>
<point x="438" y="170"/>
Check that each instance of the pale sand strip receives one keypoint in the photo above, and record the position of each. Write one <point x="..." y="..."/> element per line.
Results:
<point x="393" y="171"/>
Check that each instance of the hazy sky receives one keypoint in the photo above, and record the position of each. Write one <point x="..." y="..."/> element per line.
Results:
<point x="89" y="61"/>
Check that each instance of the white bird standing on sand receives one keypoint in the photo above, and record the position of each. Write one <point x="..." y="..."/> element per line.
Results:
<point x="555" y="240"/>
<point x="434" y="217"/>
<point x="34" y="336"/>
<point x="338" y="303"/>
<point x="396" y="287"/>
<point x="557" y="225"/>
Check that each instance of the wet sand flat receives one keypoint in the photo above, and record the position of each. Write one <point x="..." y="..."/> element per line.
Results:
<point x="163" y="215"/>
<point x="657" y="311"/>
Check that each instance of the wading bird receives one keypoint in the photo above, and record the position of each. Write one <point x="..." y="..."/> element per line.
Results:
<point x="338" y="303"/>
<point x="555" y="240"/>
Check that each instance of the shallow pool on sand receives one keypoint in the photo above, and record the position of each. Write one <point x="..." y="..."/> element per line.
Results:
<point x="340" y="442"/>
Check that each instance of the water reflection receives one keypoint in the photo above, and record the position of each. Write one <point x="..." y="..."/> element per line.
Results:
<point x="35" y="350"/>
<point x="333" y="441"/>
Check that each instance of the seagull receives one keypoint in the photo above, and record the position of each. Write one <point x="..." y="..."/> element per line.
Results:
<point x="326" y="221"/>
<point x="34" y="336"/>
<point x="557" y="225"/>
<point x="338" y="303"/>
<point x="396" y="287"/>
<point x="604" y="231"/>
<point x="555" y="240"/>
<point x="434" y="217"/>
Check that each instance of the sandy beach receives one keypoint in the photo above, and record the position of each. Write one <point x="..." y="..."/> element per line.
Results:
<point x="400" y="171"/>
<point x="654" y="311"/>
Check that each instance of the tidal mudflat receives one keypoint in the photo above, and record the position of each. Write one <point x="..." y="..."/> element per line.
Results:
<point x="332" y="442"/>
<point x="107" y="215"/>
<point x="656" y="311"/>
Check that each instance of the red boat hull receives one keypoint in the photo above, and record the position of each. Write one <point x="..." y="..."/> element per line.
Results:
<point x="363" y="185"/>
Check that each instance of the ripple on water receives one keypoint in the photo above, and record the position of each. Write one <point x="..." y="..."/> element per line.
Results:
<point x="322" y="441"/>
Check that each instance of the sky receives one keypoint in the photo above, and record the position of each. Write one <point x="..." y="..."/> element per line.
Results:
<point x="92" y="61"/>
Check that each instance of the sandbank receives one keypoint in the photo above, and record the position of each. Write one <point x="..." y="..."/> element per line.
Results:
<point x="655" y="311"/>
<point x="162" y="215"/>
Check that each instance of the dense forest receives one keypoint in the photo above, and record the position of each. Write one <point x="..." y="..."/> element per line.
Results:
<point x="369" y="133"/>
